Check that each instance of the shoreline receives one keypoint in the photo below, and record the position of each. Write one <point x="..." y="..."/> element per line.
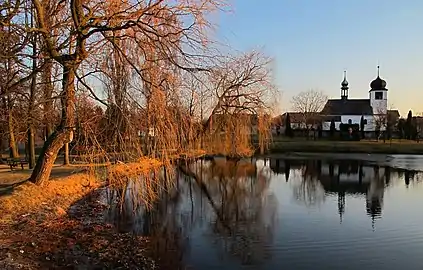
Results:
<point x="60" y="225"/>
<point x="346" y="147"/>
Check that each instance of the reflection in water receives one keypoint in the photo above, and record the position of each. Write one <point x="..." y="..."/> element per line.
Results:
<point x="230" y="196"/>
<point x="224" y="213"/>
<point x="244" y="209"/>
<point x="341" y="177"/>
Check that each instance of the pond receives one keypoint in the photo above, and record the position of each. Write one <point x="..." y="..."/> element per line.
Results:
<point x="288" y="213"/>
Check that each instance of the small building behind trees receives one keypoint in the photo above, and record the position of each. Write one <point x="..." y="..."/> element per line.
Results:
<point x="366" y="118"/>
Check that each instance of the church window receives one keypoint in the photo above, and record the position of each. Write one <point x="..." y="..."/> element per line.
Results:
<point x="349" y="121"/>
<point x="379" y="95"/>
<point x="365" y="121"/>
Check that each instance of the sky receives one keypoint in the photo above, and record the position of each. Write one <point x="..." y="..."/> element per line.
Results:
<point x="313" y="41"/>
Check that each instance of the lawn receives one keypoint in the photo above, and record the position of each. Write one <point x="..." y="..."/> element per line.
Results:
<point x="283" y="145"/>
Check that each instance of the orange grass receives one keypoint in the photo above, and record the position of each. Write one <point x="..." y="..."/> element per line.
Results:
<point x="143" y="175"/>
<point x="53" y="196"/>
<point x="134" y="169"/>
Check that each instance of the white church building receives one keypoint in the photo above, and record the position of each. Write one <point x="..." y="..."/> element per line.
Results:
<point x="349" y="111"/>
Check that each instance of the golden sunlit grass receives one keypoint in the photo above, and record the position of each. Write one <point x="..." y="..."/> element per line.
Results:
<point x="67" y="187"/>
<point x="134" y="169"/>
<point x="33" y="219"/>
<point x="142" y="176"/>
<point x="54" y="196"/>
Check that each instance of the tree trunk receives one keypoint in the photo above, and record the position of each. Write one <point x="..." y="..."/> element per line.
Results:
<point x="48" y="102"/>
<point x="66" y="154"/>
<point x="31" y="139"/>
<point x="48" y="155"/>
<point x="14" y="153"/>
<point x="31" y="147"/>
<point x="63" y="133"/>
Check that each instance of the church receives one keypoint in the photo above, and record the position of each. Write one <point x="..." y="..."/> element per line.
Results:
<point x="349" y="111"/>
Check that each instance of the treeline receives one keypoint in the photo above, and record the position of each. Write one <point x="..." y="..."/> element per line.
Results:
<point x="410" y="127"/>
<point x="387" y="125"/>
<point x="134" y="78"/>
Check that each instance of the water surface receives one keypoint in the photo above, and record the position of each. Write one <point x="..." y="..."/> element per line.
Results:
<point x="288" y="214"/>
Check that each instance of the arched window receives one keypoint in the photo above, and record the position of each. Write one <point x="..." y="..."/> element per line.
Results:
<point x="349" y="121"/>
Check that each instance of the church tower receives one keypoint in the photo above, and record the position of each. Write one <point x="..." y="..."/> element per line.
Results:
<point x="344" y="87"/>
<point x="378" y="95"/>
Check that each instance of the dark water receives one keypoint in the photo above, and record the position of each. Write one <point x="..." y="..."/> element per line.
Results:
<point x="288" y="214"/>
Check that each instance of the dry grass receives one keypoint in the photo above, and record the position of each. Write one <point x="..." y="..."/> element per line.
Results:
<point x="134" y="169"/>
<point x="141" y="176"/>
<point x="61" y="242"/>
<point x="68" y="185"/>
<point x="34" y="224"/>
<point x="54" y="196"/>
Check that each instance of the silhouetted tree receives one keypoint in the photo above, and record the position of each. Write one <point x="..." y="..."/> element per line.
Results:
<point x="401" y="128"/>
<point x="408" y="125"/>
<point x="390" y="123"/>
<point x="413" y="128"/>
<point x="389" y="130"/>
<point x="332" y="128"/>
<point x="288" y="128"/>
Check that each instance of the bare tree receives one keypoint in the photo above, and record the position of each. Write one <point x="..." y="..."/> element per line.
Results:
<point x="31" y="102"/>
<point x="381" y="119"/>
<point x="241" y="100"/>
<point x="159" y="78"/>
<point x="7" y="55"/>
<point x="84" y="29"/>
<point x="309" y="104"/>
<point x="385" y="122"/>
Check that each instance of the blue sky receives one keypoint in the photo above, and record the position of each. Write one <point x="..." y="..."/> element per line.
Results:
<point x="313" y="41"/>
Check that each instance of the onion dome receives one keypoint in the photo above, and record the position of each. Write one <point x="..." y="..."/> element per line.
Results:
<point x="344" y="83"/>
<point x="378" y="83"/>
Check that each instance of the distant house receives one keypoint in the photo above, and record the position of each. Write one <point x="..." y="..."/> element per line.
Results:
<point x="303" y="120"/>
<point x="393" y="116"/>
<point x="392" y="121"/>
<point x="299" y="121"/>
<point x="418" y="120"/>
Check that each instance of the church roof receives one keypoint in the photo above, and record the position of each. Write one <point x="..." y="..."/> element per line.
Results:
<point x="378" y="84"/>
<point x="347" y="107"/>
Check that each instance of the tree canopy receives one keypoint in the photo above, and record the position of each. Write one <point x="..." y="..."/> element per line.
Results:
<point x="122" y="79"/>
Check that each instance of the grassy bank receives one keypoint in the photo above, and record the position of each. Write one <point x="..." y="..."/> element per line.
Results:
<point x="283" y="145"/>
<point x="38" y="231"/>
